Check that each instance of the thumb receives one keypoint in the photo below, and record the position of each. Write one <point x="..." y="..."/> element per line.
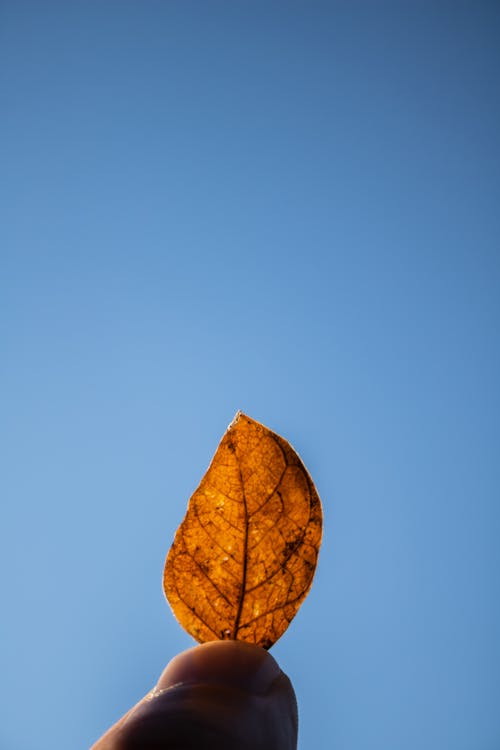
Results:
<point x="227" y="695"/>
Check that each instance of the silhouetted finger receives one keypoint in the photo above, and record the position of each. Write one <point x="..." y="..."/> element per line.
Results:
<point x="224" y="694"/>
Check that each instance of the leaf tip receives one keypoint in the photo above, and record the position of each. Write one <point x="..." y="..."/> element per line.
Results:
<point x="235" y="419"/>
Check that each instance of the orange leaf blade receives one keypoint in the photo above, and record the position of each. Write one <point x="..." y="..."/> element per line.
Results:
<point x="244" y="557"/>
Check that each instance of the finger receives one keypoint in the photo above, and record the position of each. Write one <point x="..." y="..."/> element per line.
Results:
<point x="224" y="694"/>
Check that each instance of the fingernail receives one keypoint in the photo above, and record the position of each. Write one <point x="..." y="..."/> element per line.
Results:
<point x="231" y="663"/>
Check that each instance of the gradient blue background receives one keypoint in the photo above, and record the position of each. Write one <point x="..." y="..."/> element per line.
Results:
<point x="290" y="208"/>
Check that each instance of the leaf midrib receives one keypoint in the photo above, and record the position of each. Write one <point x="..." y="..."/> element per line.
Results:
<point x="245" y="561"/>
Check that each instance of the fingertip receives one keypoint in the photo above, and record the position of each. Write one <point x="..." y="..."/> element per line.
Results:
<point x="231" y="663"/>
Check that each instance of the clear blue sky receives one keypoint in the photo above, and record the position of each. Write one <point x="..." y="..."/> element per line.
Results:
<point x="290" y="208"/>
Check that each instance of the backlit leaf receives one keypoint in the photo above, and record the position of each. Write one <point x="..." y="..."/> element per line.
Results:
<point x="244" y="557"/>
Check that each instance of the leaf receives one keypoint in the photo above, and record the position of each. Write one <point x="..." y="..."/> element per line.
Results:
<point x="244" y="557"/>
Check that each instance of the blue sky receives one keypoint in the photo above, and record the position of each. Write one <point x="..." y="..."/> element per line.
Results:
<point x="285" y="208"/>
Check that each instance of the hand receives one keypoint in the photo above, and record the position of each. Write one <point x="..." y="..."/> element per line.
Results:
<point x="223" y="695"/>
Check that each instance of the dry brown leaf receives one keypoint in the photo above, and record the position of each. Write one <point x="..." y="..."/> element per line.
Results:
<point x="244" y="557"/>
